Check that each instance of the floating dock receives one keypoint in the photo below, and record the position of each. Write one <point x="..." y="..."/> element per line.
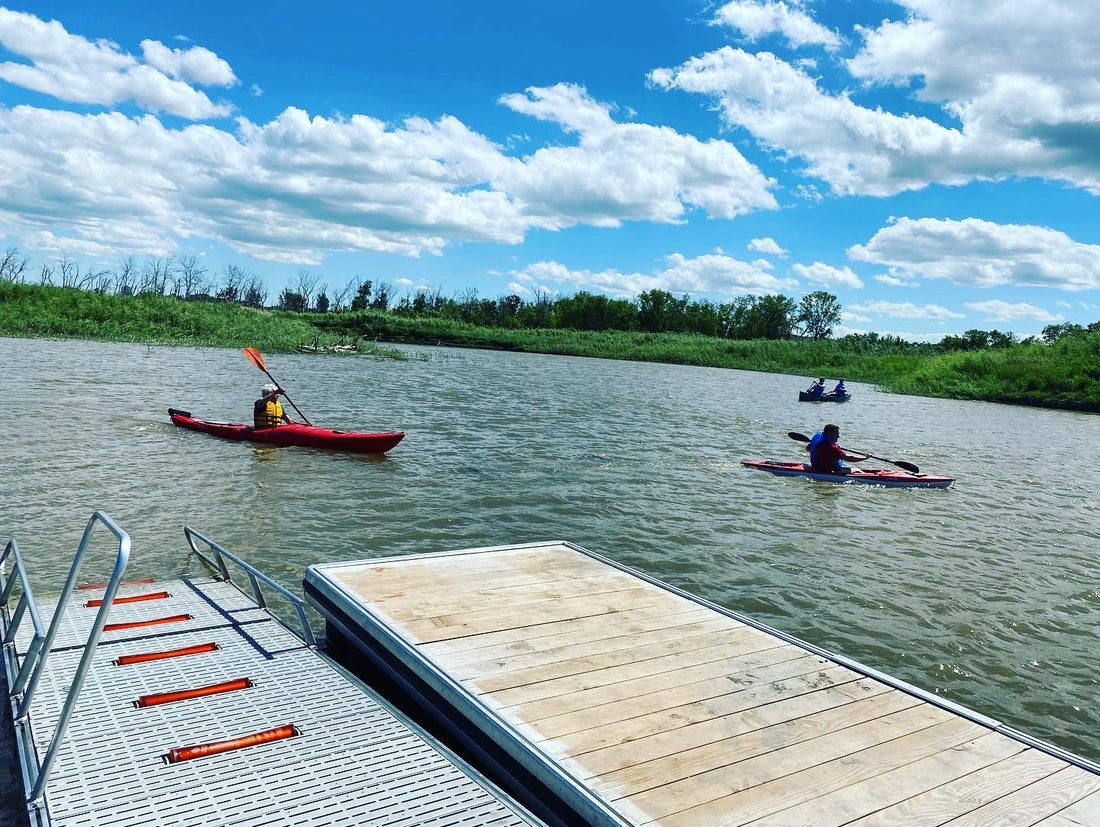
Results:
<point x="198" y="706"/>
<point x="611" y="698"/>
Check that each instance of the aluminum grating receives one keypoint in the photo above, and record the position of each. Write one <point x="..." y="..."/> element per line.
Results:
<point x="354" y="762"/>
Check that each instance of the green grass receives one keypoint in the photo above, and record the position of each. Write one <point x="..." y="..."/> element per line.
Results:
<point x="1063" y="375"/>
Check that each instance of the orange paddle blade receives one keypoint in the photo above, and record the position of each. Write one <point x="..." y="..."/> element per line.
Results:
<point x="255" y="358"/>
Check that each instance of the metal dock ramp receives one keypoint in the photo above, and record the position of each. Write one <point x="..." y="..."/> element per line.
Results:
<point x="199" y="707"/>
<point x="635" y="703"/>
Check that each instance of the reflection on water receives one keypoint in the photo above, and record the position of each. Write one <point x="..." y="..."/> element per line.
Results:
<point x="988" y="592"/>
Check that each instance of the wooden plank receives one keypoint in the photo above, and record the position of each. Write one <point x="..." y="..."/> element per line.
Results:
<point x="397" y="578"/>
<point x="581" y="692"/>
<point x="603" y="668"/>
<point x="1085" y="811"/>
<point x="490" y="620"/>
<point x="948" y="801"/>
<point x="842" y="806"/>
<point x="540" y="635"/>
<point x="1043" y="799"/>
<point x="607" y="708"/>
<point x="570" y="651"/>
<point x="454" y="601"/>
<point x="771" y="783"/>
<point x="757" y="706"/>
<point x="739" y="745"/>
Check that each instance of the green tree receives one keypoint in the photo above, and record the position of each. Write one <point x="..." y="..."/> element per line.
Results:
<point x="818" y="312"/>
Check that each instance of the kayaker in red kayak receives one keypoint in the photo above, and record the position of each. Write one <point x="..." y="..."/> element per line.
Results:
<point x="826" y="456"/>
<point x="268" y="411"/>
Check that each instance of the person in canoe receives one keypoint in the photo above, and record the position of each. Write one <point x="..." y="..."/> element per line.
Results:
<point x="826" y="456"/>
<point x="817" y="388"/>
<point x="268" y="411"/>
<point x="840" y="390"/>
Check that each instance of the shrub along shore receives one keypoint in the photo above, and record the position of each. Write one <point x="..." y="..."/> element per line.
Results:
<point x="1064" y="374"/>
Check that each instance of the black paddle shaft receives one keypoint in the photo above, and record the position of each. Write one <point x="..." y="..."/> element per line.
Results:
<point x="908" y="466"/>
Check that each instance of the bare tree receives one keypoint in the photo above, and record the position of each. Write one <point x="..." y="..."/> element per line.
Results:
<point x="46" y="276"/>
<point x="126" y="277"/>
<point x="156" y="273"/>
<point x="13" y="266"/>
<point x="305" y="283"/>
<point x="341" y="297"/>
<point x="68" y="271"/>
<point x="191" y="276"/>
<point x="255" y="294"/>
<point x="233" y="278"/>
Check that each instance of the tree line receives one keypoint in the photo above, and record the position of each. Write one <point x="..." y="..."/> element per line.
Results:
<point x="748" y="317"/>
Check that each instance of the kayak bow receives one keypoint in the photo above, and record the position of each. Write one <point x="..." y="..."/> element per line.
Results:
<point x="306" y="436"/>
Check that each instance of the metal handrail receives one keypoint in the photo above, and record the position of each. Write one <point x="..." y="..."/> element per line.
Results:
<point x="255" y="576"/>
<point x="38" y="668"/>
<point x="26" y="605"/>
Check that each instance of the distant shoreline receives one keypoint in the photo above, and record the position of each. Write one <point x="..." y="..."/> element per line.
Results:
<point x="1061" y="376"/>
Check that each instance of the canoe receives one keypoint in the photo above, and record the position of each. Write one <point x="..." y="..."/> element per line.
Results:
<point x="306" y="436"/>
<point x="890" y="477"/>
<point x="825" y="397"/>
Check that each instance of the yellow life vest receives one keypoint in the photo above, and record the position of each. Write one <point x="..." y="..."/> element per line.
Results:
<point x="269" y="416"/>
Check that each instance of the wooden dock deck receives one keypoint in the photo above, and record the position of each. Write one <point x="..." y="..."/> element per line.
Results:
<point x="347" y="757"/>
<point x="635" y="703"/>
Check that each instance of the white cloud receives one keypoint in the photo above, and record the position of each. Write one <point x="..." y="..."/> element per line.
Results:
<point x="702" y="275"/>
<point x="1000" y="311"/>
<point x="72" y="68"/>
<point x="758" y="18"/>
<point x="826" y="275"/>
<point x="983" y="254"/>
<point x="625" y="171"/>
<point x="905" y="310"/>
<point x="1011" y="109"/>
<point x="298" y="187"/>
<point x="849" y="316"/>
<point x="767" y="245"/>
<point x="196" y="65"/>
<point x="892" y="280"/>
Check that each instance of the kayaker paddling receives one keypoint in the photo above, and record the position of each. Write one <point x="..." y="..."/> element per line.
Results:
<point x="268" y="412"/>
<point x="817" y="389"/>
<point x="826" y="456"/>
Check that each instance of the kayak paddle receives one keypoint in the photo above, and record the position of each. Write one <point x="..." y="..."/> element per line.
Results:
<point x="255" y="358"/>
<point x="908" y="466"/>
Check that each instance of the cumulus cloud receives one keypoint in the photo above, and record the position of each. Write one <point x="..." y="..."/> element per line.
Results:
<point x="892" y="280"/>
<point x="300" y="186"/>
<point x="766" y="245"/>
<point x="625" y="171"/>
<point x="72" y="68"/>
<point x="1000" y="311"/>
<point x="703" y="275"/>
<point x="905" y="310"/>
<point x="827" y="275"/>
<point x="983" y="254"/>
<point x="1015" y="83"/>
<point x="759" y="18"/>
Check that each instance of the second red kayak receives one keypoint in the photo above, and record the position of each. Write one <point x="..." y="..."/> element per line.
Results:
<point x="866" y="476"/>
<point x="306" y="436"/>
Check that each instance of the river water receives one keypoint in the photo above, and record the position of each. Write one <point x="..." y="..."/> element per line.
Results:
<point x="987" y="593"/>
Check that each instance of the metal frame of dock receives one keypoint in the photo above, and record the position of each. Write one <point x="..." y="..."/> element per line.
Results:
<point x="631" y="702"/>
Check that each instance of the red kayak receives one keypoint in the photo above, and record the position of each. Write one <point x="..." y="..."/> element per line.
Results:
<point x="868" y="476"/>
<point x="306" y="436"/>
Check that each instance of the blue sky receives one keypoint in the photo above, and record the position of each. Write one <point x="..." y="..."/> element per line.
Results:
<point x="934" y="164"/>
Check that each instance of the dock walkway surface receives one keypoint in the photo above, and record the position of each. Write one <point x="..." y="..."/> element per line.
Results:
<point x="348" y="758"/>
<point x="640" y="704"/>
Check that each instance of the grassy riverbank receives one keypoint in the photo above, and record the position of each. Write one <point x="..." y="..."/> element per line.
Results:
<point x="37" y="311"/>
<point x="1065" y="374"/>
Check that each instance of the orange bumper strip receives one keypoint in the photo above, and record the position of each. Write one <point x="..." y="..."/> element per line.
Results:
<point x="145" y="657"/>
<point x="137" y="598"/>
<point x="177" y="754"/>
<point x="136" y="624"/>
<point x="198" y="692"/>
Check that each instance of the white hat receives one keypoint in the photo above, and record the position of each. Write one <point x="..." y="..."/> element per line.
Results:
<point x="268" y="390"/>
